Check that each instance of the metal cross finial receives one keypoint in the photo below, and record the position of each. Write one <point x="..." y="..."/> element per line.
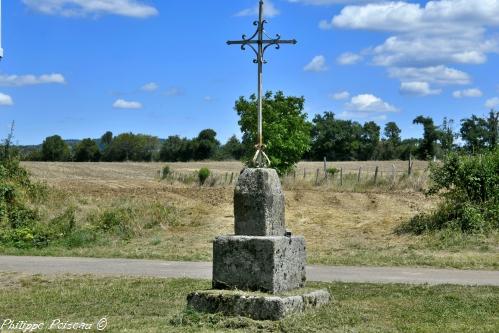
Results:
<point x="262" y="42"/>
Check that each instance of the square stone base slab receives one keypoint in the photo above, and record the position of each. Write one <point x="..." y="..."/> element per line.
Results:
<point x="255" y="305"/>
<point x="271" y="263"/>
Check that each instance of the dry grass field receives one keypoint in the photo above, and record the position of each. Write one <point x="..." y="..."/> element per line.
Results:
<point x="343" y="226"/>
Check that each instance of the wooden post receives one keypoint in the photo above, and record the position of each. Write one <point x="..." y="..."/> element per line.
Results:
<point x="226" y="177"/>
<point x="317" y="178"/>
<point x="393" y="173"/>
<point x="231" y="177"/>
<point x="376" y="175"/>
<point x="358" y="176"/>
<point x="410" y="165"/>
<point x="304" y="173"/>
<point x="325" y="166"/>
<point x="341" y="177"/>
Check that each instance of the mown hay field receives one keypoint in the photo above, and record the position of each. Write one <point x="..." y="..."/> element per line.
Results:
<point x="342" y="225"/>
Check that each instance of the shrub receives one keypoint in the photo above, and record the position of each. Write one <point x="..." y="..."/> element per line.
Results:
<point x="332" y="171"/>
<point x="166" y="172"/>
<point x="20" y="224"/>
<point x="117" y="220"/>
<point x="469" y="187"/>
<point x="203" y="174"/>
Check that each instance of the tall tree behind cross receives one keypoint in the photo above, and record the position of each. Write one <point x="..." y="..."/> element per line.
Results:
<point x="262" y="42"/>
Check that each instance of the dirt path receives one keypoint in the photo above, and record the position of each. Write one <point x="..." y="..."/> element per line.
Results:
<point x="202" y="270"/>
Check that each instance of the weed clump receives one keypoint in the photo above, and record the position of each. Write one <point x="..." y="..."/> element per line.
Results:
<point x="332" y="171"/>
<point x="166" y="172"/>
<point x="203" y="175"/>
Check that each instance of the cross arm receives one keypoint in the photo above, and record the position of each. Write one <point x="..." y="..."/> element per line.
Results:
<point x="265" y="41"/>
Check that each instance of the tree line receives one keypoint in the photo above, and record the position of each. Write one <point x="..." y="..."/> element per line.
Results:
<point x="289" y="137"/>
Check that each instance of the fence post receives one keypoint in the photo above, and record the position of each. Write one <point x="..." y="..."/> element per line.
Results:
<point x="393" y="173"/>
<point x="410" y="165"/>
<point x="376" y="175"/>
<point x="231" y="178"/>
<point x="325" y="167"/>
<point x="304" y="173"/>
<point x="317" y="178"/>
<point x="358" y="176"/>
<point x="341" y="177"/>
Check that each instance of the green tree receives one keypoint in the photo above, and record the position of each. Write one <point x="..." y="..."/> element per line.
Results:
<point x="389" y="147"/>
<point x="206" y="145"/>
<point x="427" y="148"/>
<point x="233" y="149"/>
<point x="54" y="149"/>
<point x="474" y="132"/>
<point x="369" y="141"/>
<point x="132" y="147"/>
<point x="447" y="135"/>
<point x="285" y="128"/>
<point x="408" y="148"/>
<point x="176" y="149"/>
<point x="392" y="133"/>
<point x="335" y="139"/>
<point x="87" y="151"/>
<point x="106" y="138"/>
<point x="493" y="129"/>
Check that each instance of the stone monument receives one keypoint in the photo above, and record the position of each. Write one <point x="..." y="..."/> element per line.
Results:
<point x="261" y="257"/>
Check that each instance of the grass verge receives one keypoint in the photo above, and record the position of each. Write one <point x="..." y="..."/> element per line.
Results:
<point x="158" y="305"/>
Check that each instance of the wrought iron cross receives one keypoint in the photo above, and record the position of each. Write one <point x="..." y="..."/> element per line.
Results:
<point x="262" y="42"/>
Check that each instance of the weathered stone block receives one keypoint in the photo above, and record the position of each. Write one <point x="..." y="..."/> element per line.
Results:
<point x="271" y="264"/>
<point x="259" y="204"/>
<point x="254" y="306"/>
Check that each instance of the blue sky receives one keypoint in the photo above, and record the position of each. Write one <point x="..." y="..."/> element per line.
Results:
<point x="78" y="68"/>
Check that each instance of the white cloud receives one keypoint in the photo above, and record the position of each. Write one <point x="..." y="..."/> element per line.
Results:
<point x="435" y="74"/>
<point x="340" y="95"/>
<point x="467" y="93"/>
<point x="367" y="105"/>
<point x="318" y="64"/>
<point x="208" y="99"/>
<point x="6" y="100"/>
<point x="349" y="58"/>
<point x="151" y="86"/>
<point x="174" y="91"/>
<point x="28" y="80"/>
<point x="130" y="8"/>
<point x="418" y="88"/>
<point x="122" y="104"/>
<point x="332" y="2"/>
<point x="492" y="103"/>
<point x="439" y="16"/>
<point x="269" y="10"/>
<point x="434" y="34"/>
<point x="424" y="24"/>
<point x="410" y="50"/>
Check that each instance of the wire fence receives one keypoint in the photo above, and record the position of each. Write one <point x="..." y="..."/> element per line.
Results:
<point x="341" y="178"/>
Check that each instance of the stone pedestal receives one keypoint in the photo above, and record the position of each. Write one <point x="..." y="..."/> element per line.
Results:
<point x="272" y="264"/>
<point x="259" y="204"/>
<point x="261" y="256"/>
<point x="255" y="305"/>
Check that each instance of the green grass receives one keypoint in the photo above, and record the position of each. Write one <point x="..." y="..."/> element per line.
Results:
<point x="158" y="305"/>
